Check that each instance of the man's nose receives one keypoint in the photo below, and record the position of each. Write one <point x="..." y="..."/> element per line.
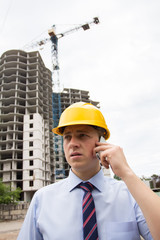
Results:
<point x="74" y="142"/>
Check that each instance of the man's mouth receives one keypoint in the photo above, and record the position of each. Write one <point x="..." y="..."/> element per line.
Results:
<point x="75" y="154"/>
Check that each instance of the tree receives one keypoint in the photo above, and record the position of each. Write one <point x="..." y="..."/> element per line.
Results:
<point x="117" y="178"/>
<point x="7" y="195"/>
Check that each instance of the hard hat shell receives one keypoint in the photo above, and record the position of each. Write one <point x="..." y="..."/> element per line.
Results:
<point x="82" y="113"/>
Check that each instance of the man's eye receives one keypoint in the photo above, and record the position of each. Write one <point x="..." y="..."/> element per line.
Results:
<point x="67" y="137"/>
<point x="83" y="135"/>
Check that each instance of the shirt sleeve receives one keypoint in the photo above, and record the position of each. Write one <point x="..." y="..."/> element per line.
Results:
<point x="142" y="225"/>
<point x="29" y="229"/>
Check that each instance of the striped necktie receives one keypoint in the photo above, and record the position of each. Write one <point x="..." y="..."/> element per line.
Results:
<point x="90" y="231"/>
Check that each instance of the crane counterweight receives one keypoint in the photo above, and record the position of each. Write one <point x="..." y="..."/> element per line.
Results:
<point x="85" y="27"/>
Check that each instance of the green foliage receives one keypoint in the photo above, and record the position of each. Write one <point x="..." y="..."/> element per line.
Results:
<point x="154" y="176"/>
<point x="117" y="178"/>
<point x="7" y="195"/>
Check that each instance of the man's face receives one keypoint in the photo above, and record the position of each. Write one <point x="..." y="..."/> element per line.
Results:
<point x="79" y="142"/>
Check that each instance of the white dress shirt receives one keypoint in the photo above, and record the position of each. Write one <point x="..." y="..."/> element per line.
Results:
<point x="55" y="212"/>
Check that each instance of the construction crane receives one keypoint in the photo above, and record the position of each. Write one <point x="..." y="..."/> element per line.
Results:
<point x="54" y="48"/>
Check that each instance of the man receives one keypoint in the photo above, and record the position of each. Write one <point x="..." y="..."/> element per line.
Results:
<point x="59" y="211"/>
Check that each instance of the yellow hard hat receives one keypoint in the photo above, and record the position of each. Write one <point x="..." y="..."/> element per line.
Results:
<point x="82" y="113"/>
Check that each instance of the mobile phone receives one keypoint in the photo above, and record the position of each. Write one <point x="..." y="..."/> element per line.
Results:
<point x="98" y="155"/>
<point x="102" y="139"/>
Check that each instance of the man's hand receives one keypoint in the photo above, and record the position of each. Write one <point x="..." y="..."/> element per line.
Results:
<point x="113" y="155"/>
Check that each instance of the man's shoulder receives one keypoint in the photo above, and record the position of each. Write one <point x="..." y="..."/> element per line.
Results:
<point x="115" y="183"/>
<point x="56" y="186"/>
<point x="117" y="188"/>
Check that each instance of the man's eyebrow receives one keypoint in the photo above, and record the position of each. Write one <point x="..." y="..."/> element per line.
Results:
<point x="78" y="131"/>
<point x="82" y="131"/>
<point x="65" y="133"/>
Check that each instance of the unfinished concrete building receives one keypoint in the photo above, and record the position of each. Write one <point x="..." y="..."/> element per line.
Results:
<point x="26" y="121"/>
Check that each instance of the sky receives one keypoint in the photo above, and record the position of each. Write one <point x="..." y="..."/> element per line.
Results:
<point x="117" y="61"/>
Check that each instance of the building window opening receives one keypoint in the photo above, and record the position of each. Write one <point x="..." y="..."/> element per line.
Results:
<point x="19" y="175"/>
<point x="19" y="165"/>
<point x="31" y="134"/>
<point x="31" y="183"/>
<point x="30" y="153"/>
<point x="31" y="173"/>
<point x="31" y="144"/>
<point x="1" y="166"/>
<point x="31" y="163"/>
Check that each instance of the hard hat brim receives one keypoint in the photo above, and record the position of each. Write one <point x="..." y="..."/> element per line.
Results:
<point x="60" y="130"/>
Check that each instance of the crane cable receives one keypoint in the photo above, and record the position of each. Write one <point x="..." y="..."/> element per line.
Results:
<point x="5" y="17"/>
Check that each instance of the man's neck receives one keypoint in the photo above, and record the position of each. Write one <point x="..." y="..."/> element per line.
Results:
<point x="86" y="175"/>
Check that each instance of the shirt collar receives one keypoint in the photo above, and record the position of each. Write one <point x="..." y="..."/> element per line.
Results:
<point x="97" y="180"/>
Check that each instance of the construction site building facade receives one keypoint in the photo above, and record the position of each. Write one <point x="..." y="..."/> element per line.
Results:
<point x="26" y="122"/>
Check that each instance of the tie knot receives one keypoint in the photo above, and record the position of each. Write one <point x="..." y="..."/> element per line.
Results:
<point x="87" y="186"/>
